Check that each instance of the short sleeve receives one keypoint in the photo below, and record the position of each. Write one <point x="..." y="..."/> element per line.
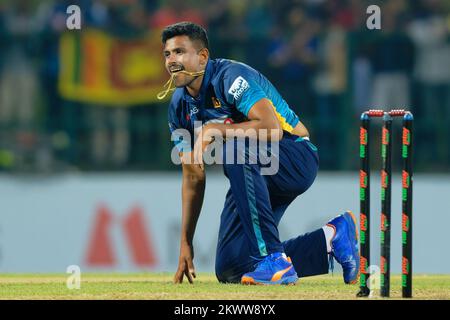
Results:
<point x="241" y="88"/>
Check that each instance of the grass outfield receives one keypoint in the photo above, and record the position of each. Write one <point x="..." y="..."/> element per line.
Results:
<point x="159" y="286"/>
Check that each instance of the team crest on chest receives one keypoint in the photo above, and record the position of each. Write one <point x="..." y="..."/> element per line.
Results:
<point x="216" y="102"/>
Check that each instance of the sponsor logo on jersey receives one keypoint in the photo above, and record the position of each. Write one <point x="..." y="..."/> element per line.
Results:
<point x="239" y="86"/>
<point x="193" y="111"/>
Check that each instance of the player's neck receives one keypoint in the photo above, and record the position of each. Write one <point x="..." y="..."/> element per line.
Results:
<point x="193" y="88"/>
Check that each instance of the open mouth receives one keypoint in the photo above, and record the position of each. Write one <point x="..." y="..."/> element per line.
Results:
<point x="175" y="69"/>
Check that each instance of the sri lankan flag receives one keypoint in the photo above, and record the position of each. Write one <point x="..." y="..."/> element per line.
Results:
<point x="99" y="68"/>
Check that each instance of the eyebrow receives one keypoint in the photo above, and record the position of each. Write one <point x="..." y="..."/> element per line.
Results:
<point x="174" y="49"/>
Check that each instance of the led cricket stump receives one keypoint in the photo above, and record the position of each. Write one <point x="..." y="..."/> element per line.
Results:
<point x="386" y="181"/>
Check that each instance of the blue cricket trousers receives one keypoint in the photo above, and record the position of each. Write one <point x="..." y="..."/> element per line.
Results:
<point x="254" y="206"/>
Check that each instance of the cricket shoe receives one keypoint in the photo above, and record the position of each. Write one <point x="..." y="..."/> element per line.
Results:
<point x="275" y="268"/>
<point x="344" y="246"/>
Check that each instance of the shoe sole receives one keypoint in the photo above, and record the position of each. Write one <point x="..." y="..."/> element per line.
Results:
<point x="286" y="281"/>
<point x="357" y="241"/>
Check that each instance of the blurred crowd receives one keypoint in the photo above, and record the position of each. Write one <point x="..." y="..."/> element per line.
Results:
<point x="319" y="53"/>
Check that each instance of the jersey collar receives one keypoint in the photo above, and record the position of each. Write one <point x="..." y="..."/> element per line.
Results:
<point x="209" y="70"/>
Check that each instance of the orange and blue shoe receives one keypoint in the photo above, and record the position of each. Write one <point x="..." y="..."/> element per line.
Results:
<point x="344" y="246"/>
<point x="275" y="268"/>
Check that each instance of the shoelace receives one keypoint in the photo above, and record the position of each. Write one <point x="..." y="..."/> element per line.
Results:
<point x="261" y="262"/>
<point x="169" y="84"/>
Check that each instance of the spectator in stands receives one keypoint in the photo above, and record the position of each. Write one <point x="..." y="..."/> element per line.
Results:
<point x="392" y="60"/>
<point x="19" y="82"/>
<point x="430" y="32"/>
<point x="173" y="11"/>
<point x="330" y="86"/>
<point x="294" y="59"/>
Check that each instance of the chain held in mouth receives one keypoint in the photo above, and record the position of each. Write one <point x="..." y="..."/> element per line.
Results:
<point x="169" y="84"/>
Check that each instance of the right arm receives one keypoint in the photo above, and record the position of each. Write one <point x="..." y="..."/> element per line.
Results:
<point x="193" y="190"/>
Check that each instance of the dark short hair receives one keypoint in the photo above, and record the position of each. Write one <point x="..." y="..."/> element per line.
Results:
<point x="190" y="29"/>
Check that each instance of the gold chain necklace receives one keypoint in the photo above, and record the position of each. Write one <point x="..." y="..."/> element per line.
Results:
<point x="169" y="84"/>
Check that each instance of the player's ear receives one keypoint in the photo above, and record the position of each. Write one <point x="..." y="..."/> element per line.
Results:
<point x="204" y="55"/>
